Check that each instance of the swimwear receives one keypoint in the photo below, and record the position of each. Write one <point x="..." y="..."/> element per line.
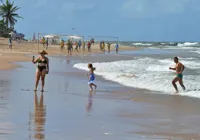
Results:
<point x="91" y="79"/>
<point x="117" y="46"/>
<point x="179" y="75"/>
<point x="42" y="65"/>
<point x="10" y="42"/>
<point x="69" y="48"/>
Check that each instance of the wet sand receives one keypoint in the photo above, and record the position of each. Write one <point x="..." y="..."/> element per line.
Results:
<point x="67" y="110"/>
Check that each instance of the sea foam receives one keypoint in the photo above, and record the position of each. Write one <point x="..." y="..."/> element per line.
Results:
<point x="187" y="44"/>
<point x="148" y="73"/>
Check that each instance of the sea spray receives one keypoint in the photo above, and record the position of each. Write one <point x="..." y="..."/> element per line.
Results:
<point x="149" y="73"/>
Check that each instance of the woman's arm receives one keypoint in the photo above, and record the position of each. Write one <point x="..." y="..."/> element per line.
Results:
<point x="47" y="65"/>
<point x="35" y="61"/>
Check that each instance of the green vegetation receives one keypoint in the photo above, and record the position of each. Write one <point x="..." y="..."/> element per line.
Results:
<point x="9" y="17"/>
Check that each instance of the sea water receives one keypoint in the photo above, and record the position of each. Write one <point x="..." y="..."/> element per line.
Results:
<point x="149" y="69"/>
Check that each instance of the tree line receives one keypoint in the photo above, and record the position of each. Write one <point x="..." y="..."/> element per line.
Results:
<point x="8" y="17"/>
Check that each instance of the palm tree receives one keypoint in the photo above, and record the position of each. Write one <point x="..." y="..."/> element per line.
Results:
<point x="8" y="13"/>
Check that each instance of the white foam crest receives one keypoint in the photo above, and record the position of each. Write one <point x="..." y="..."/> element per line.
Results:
<point x="191" y="63"/>
<point x="189" y="58"/>
<point x="187" y="44"/>
<point x="179" y="47"/>
<point x="142" y="44"/>
<point x="175" y="48"/>
<point x="146" y="73"/>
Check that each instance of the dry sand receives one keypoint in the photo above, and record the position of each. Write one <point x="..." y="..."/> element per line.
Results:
<point x="19" y="50"/>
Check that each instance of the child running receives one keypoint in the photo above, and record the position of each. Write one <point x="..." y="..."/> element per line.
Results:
<point x="91" y="76"/>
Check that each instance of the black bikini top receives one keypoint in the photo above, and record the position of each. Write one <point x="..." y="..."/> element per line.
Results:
<point x="42" y="61"/>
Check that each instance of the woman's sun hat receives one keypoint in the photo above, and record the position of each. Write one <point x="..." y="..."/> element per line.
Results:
<point x="43" y="52"/>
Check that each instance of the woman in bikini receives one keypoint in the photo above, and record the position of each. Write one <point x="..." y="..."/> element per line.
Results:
<point x="42" y="68"/>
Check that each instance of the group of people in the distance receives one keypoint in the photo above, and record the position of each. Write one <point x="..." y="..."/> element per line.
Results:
<point x="79" y="45"/>
<point x="75" y="46"/>
<point x="102" y="46"/>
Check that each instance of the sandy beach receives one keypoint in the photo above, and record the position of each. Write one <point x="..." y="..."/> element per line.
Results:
<point x="96" y="70"/>
<point x="67" y="110"/>
<point x="20" y="50"/>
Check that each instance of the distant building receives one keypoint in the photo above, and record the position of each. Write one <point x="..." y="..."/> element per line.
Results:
<point x="18" y="36"/>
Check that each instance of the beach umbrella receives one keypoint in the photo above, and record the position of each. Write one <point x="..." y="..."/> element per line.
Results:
<point x="74" y="37"/>
<point x="51" y="36"/>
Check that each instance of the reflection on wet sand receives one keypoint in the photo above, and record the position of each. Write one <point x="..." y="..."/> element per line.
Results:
<point x="68" y="61"/>
<point x="90" y="101"/>
<point x="39" y="117"/>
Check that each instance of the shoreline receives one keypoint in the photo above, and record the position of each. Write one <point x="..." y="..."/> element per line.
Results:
<point x="18" y="53"/>
<point x="121" y="111"/>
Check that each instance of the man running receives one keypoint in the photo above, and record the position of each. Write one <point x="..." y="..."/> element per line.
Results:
<point x="179" y="76"/>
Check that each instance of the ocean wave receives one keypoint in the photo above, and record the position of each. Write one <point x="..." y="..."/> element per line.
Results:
<point x="141" y="44"/>
<point x="148" y="73"/>
<point x="187" y="44"/>
<point x="197" y="51"/>
<point x="176" y="45"/>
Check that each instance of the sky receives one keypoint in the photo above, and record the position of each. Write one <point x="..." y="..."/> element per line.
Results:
<point x="130" y="20"/>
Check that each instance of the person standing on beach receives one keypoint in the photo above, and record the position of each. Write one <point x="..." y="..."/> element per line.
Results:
<point x="179" y="68"/>
<point x="69" y="47"/>
<point x="83" y="45"/>
<point x="10" y="43"/>
<point x="117" y="47"/>
<point x="108" y="44"/>
<point x="43" y="41"/>
<point x="76" y="46"/>
<point x="91" y="76"/>
<point x="47" y="43"/>
<point x="62" y="44"/>
<point x="79" y="44"/>
<point x="100" y="45"/>
<point x="42" y="68"/>
<point x="71" y="43"/>
<point x="89" y="46"/>
<point x="103" y="47"/>
<point x="92" y="41"/>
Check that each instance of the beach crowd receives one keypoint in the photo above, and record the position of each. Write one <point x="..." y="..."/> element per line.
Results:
<point x="71" y="45"/>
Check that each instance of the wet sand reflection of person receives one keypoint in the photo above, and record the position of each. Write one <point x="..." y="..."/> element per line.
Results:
<point x="90" y="101"/>
<point x="68" y="60"/>
<point x="39" y="117"/>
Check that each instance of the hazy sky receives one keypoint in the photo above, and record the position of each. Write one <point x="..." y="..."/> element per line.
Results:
<point x="138" y="20"/>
